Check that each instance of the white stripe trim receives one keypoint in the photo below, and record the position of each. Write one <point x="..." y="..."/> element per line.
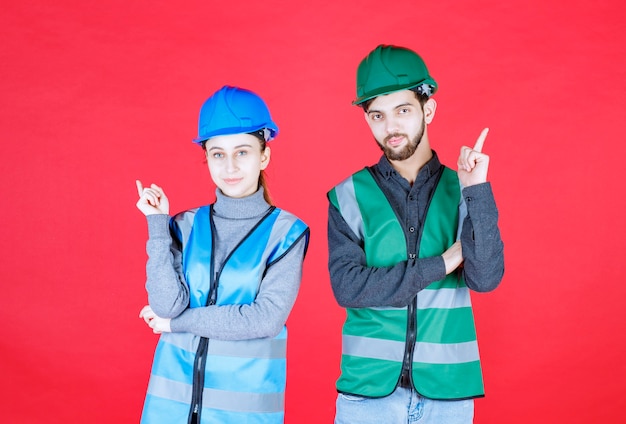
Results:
<point x="349" y="207"/>
<point x="255" y="348"/>
<point x="246" y="402"/>
<point x="444" y="298"/>
<point x="389" y="350"/>
<point x="169" y="389"/>
<point x="185" y="341"/>
<point x="243" y="401"/>
<point x="449" y="353"/>
<point x="367" y="347"/>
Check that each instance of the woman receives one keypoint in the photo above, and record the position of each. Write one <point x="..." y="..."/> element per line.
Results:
<point x="222" y="279"/>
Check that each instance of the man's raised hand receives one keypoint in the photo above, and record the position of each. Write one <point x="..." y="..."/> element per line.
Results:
<point x="473" y="164"/>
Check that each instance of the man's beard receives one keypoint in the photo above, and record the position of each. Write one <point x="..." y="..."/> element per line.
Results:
<point x="408" y="150"/>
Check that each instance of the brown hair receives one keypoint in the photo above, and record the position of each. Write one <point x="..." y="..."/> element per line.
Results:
<point x="266" y="189"/>
<point x="260" y="135"/>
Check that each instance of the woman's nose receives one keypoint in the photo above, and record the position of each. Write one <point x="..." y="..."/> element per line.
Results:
<point x="231" y="164"/>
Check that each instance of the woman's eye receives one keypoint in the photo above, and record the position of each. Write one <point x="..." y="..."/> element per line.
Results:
<point x="218" y="155"/>
<point x="242" y="153"/>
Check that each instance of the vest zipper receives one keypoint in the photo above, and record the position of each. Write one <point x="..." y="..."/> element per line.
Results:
<point x="203" y="346"/>
<point x="200" y="361"/>
<point x="198" y="378"/>
<point x="411" y="328"/>
<point x="409" y="346"/>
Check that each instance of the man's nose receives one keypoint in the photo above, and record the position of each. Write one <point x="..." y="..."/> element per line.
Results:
<point x="391" y="125"/>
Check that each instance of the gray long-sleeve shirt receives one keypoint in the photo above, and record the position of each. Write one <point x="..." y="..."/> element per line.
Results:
<point x="168" y="293"/>
<point x="356" y="285"/>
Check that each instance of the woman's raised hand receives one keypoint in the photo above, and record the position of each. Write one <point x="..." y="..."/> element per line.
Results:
<point x="152" y="200"/>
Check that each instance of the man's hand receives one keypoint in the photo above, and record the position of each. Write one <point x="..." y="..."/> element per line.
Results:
<point x="152" y="200"/>
<point x="453" y="257"/>
<point x="472" y="163"/>
<point x="159" y="325"/>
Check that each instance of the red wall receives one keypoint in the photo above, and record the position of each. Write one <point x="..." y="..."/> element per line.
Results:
<point x="96" y="94"/>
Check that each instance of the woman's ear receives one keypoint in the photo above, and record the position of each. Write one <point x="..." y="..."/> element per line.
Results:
<point x="265" y="157"/>
<point x="429" y="110"/>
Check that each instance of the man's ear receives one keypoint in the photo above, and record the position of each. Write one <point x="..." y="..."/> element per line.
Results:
<point x="265" y="157"/>
<point x="429" y="110"/>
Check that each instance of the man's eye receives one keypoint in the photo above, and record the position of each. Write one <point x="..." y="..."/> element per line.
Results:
<point x="376" y="116"/>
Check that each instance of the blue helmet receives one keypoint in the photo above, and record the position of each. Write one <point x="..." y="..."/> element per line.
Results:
<point x="233" y="110"/>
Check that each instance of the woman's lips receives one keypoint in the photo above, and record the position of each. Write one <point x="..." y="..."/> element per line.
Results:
<point x="231" y="181"/>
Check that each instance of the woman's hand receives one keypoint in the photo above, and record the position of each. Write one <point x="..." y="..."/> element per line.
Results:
<point x="152" y="200"/>
<point x="159" y="325"/>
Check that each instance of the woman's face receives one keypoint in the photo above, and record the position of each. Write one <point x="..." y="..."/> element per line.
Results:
<point x="235" y="162"/>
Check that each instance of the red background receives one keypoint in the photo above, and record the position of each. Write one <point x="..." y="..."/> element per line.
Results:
<point x="96" y="94"/>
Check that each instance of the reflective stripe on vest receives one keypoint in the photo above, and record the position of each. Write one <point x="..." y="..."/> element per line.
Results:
<point x="244" y="379"/>
<point x="446" y="362"/>
<point x="217" y="399"/>
<point x="389" y="350"/>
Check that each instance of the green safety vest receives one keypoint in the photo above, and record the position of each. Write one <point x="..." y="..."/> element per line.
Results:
<point x="445" y="360"/>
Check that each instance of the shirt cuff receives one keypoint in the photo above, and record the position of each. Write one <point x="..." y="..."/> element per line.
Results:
<point x="158" y="225"/>
<point x="430" y="269"/>
<point x="479" y="199"/>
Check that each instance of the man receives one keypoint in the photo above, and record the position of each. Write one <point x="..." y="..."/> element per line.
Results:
<point x="407" y="239"/>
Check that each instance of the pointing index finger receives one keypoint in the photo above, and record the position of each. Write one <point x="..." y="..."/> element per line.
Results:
<point x="139" y="187"/>
<point x="481" y="140"/>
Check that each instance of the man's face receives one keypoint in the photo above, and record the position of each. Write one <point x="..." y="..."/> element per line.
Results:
<point x="397" y="123"/>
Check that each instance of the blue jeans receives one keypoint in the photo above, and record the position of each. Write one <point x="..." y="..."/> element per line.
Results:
<point x="403" y="406"/>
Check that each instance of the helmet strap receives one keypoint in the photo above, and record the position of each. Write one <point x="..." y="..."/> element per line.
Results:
<point x="263" y="134"/>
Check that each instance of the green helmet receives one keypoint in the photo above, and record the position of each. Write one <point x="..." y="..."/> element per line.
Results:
<point x="390" y="68"/>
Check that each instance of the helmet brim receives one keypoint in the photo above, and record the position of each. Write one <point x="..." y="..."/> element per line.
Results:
<point x="273" y="128"/>
<point x="388" y="90"/>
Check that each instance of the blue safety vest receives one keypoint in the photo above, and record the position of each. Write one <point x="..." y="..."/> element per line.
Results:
<point x="223" y="381"/>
